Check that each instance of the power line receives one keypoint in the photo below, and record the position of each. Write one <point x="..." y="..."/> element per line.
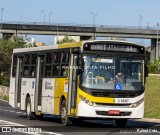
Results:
<point x="21" y="16"/>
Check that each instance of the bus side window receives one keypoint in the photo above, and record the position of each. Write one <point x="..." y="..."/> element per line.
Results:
<point x="33" y="71"/>
<point x="33" y="59"/>
<point x="55" y="70"/>
<point x="65" y="56"/>
<point x="64" y="70"/>
<point x="26" y="72"/>
<point x="26" y="69"/>
<point x="33" y="65"/>
<point x="48" y="70"/>
<point x="14" y="66"/>
<point x="57" y="57"/>
<point x="42" y="66"/>
<point x="26" y="59"/>
<point x="64" y="63"/>
<point x="49" y="58"/>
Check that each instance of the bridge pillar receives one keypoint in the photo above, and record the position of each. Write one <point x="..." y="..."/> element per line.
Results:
<point x="86" y="38"/>
<point x="153" y="49"/>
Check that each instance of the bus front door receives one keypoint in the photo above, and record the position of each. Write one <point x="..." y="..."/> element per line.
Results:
<point x="72" y="88"/>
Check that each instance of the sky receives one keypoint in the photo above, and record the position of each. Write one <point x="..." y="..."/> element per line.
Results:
<point x="109" y="12"/>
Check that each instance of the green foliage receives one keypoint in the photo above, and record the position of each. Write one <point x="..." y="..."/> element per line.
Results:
<point x="154" y="67"/>
<point x="6" y="49"/>
<point x="152" y="100"/>
<point x="66" y="39"/>
<point x="5" y="97"/>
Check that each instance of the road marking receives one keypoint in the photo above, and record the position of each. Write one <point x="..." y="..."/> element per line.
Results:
<point x="3" y="100"/>
<point x="12" y="111"/>
<point x="12" y="124"/>
<point x="4" y="123"/>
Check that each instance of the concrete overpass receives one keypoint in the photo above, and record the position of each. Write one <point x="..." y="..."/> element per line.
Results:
<point x="85" y="32"/>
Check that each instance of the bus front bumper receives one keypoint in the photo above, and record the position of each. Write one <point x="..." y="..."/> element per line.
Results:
<point x="85" y="110"/>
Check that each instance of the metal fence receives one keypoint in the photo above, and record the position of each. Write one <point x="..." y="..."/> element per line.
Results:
<point x="82" y="25"/>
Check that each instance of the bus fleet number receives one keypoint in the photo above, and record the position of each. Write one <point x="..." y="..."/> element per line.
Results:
<point x="121" y="100"/>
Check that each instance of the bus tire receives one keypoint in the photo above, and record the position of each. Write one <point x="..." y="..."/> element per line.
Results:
<point x="39" y="117"/>
<point x="121" y="122"/>
<point x="65" y="120"/>
<point x="29" y="113"/>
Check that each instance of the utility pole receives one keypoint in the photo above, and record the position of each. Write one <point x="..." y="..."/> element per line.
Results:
<point x="140" y="21"/>
<point x="44" y="16"/>
<point x="1" y="20"/>
<point x="157" y="45"/>
<point x="49" y="17"/>
<point x="94" y="16"/>
<point x="94" y="27"/>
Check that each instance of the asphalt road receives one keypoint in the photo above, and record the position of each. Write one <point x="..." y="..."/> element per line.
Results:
<point x="17" y="120"/>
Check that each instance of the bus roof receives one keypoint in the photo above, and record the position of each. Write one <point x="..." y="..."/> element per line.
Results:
<point x="115" y="41"/>
<point x="48" y="47"/>
<point x="69" y="45"/>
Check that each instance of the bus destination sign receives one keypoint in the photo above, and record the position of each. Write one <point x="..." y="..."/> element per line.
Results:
<point x="112" y="47"/>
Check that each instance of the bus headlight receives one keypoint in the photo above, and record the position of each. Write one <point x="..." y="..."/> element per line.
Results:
<point x="87" y="101"/>
<point x="137" y="103"/>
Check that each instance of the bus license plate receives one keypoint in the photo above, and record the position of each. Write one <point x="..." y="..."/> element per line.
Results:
<point x="113" y="112"/>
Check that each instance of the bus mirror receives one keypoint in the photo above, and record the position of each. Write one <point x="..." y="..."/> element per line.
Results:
<point x="146" y="71"/>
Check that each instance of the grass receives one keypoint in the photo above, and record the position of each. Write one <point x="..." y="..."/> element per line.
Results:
<point x="5" y="97"/>
<point x="152" y="97"/>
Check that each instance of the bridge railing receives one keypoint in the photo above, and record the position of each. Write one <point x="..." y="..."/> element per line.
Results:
<point x="81" y="25"/>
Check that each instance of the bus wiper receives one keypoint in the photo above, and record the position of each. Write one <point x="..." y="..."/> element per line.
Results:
<point x="92" y="63"/>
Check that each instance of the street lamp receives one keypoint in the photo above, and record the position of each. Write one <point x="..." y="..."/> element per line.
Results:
<point x="44" y="16"/>
<point x="94" y="29"/>
<point x="1" y="20"/>
<point x="140" y="21"/>
<point x="49" y="17"/>
<point x="157" y="46"/>
<point x="94" y="16"/>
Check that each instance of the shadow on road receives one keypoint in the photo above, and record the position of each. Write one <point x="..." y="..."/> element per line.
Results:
<point x="94" y="125"/>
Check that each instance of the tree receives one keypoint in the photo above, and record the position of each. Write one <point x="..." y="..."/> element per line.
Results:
<point x="6" y="49"/>
<point x="66" y="39"/>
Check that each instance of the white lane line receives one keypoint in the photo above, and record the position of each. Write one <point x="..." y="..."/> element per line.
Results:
<point x="12" y="111"/>
<point x="12" y="123"/>
<point x="51" y="133"/>
<point x="3" y="100"/>
<point x="6" y="125"/>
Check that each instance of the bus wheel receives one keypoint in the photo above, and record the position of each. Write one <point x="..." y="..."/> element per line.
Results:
<point x="30" y="115"/>
<point x="64" y="118"/>
<point x="121" y="122"/>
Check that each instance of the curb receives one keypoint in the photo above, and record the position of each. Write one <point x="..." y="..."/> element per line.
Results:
<point x="149" y="120"/>
<point x="154" y="74"/>
<point x="3" y="100"/>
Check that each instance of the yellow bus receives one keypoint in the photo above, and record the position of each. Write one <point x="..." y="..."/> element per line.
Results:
<point x="85" y="80"/>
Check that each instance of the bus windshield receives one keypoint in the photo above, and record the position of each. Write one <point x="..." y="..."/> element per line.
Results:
<point x="112" y="73"/>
